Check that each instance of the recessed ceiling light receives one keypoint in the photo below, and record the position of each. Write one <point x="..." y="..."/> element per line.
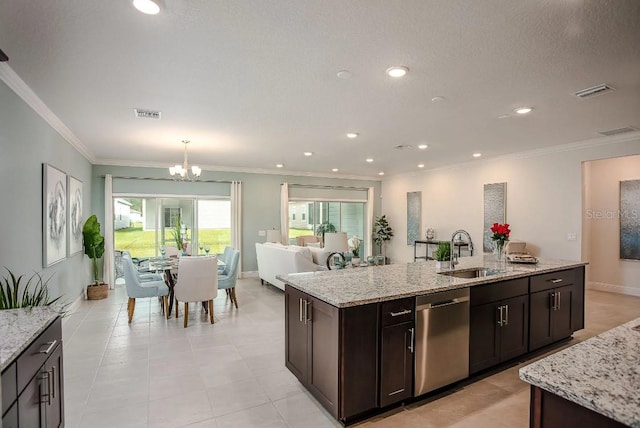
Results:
<point x="150" y="7"/>
<point x="335" y="170"/>
<point x="477" y="155"/>
<point x="397" y="71"/>
<point x="381" y="173"/>
<point x="369" y="160"/>
<point x="344" y="74"/>
<point x="523" y="110"/>
<point x="308" y="153"/>
<point x="420" y="165"/>
<point x="423" y="146"/>
<point x="437" y="99"/>
<point x="352" y="135"/>
<point x="279" y="165"/>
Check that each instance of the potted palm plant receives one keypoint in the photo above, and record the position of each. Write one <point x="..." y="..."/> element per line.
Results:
<point x="381" y="234"/>
<point x="94" y="248"/>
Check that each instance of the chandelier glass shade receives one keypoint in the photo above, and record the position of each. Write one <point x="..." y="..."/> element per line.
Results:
<point x="181" y="172"/>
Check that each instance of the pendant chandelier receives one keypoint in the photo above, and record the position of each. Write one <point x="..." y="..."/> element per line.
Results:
<point x="181" y="172"/>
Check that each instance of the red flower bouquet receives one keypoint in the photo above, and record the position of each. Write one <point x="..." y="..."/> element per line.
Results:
<point x="500" y="233"/>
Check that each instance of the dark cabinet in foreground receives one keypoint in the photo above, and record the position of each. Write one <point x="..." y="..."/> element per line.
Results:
<point x="32" y="386"/>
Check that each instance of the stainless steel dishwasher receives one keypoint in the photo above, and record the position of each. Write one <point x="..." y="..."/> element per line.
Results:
<point x="442" y="340"/>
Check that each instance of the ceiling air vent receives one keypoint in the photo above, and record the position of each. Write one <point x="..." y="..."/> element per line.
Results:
<point x="593" y="91"/>
<point x="619" y="131"/>
<point x="147" y="114"/>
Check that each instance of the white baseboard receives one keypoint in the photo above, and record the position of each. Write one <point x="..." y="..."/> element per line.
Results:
<point x="73" y="306"/>
<point x="613" y="288"/>
<point x="250" y="274"/>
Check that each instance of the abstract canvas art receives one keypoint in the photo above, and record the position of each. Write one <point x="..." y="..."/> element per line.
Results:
<point x="414" y="212"/>
<point x="74" y="217"/>
<point x="54" y="215"/>
<point x="630" y="219"/>
<point x="495" y="196"/>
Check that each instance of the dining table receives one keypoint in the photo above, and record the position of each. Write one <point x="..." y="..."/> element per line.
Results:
<point x="169" y="265"/>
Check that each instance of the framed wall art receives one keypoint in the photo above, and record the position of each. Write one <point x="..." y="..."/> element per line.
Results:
<point x="414" y="214"/>
<point x="74" y="217"/>
<point x="495" y="211"/>
<point x="54" y="215"/>
<point x="630" y="220"/>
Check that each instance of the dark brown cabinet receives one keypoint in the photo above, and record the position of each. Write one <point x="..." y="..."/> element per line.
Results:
<point x="35" y="384"/>
<point x="557" y="306"/>
<point x="396" y="351"/>
<point x="499" y="317"/>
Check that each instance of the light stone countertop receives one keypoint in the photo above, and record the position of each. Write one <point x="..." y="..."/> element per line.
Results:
<point x="363" y="285"/>
<point x="601" y="374"/>
<point x="19" y="327"/>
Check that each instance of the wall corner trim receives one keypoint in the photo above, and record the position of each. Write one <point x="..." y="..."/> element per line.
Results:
<point x="17" y="85"/>
<point x="613" y="288"/>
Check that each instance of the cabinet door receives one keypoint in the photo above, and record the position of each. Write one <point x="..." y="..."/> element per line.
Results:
<point x="31" y="402"/>
<point x="540" y="331"/>
<point x="296" y="336"/>
<point x="484" y="349"/>
<point x="561" y="316"/>
<point x="514" y="332"/>
<point x="10" y="419"/>
<point x="323" y="323"/>
<point x="54" y="410"/>
<point x="396" y="363"/>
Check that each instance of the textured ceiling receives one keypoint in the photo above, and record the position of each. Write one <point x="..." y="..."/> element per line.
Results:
<point x="253" y="83"/>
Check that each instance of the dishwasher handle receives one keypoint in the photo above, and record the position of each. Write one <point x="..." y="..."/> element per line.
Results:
<point x="441" y="304"/>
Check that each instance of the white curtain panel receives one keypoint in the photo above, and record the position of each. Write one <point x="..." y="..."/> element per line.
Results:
<point x="236" y="220"/>
<point x="109" y="265"/>
<point x="284" y="212"/>
<point x="369" y="225"/>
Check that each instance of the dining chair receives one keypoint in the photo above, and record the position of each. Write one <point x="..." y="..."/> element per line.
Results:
<point x="172" y="251"/>
<point x="143" y="276"/>
<point x="197" y="282"/>
<point x="227" y="281"/>
<point x="225" y="257"/>
<point x="138" y="289"/>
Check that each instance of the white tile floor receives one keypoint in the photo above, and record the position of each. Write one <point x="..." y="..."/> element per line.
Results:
<point x="155" y="373"/>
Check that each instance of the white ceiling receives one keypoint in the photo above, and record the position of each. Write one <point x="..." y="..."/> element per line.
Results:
<point x="253" y="83"/>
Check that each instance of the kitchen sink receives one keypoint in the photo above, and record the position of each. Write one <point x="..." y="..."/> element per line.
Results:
<point x="479" y="272"/>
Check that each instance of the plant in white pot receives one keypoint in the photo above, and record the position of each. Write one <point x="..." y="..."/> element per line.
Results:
<point x="94" y="247"/>
<point x="443" y="255"/>
<point x="355" y="250"/>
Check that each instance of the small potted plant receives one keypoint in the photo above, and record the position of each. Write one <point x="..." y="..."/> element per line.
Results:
<point x="355" y="250"/>
<point x="443" y="255"/>
<point x="94" y="248"/>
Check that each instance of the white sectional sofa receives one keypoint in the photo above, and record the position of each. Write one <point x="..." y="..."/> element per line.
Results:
<point x="276" y="259"/>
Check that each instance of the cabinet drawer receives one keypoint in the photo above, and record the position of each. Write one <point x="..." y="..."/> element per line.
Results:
<point x="551" y="280"/>
<point x="10" y="419"/>
<point x="488" y="293"/>
<point x="398" y="311"/>
<point x="9" y="388"/>
<point x="34" y="356"/>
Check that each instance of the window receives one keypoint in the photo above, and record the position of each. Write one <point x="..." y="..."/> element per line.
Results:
<point x="170" y="215"/>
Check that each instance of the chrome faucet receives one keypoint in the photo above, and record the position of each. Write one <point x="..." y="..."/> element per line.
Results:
<point x="452" y="256"/>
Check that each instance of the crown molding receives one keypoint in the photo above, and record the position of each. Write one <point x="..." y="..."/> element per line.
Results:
<point x="219" y="168"/>
<point x="17" y="85"/>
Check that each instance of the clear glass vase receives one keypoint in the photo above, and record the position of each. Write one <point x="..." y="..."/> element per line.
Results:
<point x="498" y="252"/>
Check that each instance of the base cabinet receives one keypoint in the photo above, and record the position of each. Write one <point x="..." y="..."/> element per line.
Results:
<point x="37" y="382"/>
<point x="557" y="306"/>
<point x="499" y="323"/>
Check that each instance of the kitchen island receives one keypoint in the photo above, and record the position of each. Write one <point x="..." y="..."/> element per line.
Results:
<point x="593" y="383"/>
<point x="31" y="367"/>
<point x="351" y="334"/>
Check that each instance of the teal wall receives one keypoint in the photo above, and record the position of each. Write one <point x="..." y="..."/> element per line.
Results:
<point x="26" y="142"/>
<point x="260" y="195"/>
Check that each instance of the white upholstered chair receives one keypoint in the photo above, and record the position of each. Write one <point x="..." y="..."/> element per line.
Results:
<point x="197" y="282"/>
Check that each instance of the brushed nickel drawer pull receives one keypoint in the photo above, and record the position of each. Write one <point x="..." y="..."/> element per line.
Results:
<point x="51" y="346"/>
<point x="403" y="312"/>
<point x="556" y="281"/>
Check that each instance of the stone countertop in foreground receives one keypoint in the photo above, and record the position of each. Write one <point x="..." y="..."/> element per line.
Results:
<point x="19" y="327"/>
<point x="601" y="374"/>
<point x="363" y="285"/>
